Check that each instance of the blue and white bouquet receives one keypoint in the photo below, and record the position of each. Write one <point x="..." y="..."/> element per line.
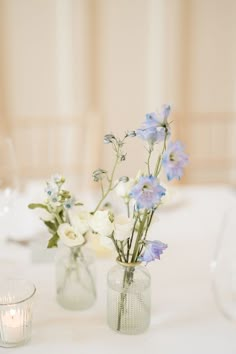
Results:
<point x="69" y="221"/>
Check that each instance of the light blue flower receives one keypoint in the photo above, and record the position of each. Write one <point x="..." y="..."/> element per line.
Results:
<point x="158" y="119"/>
<point x="147" y="192"/>
<point x="69" y="203"/>
<point x="155" y="127"/>
<point x="151" y="120"/>
<point x="51" y="189"/>
<point x="163" y="116"/>
<point x="152" y="135"/>
<point x="174" y="160"/>
<point x="153" y="250"/>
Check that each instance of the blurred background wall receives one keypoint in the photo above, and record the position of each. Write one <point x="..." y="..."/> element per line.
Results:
<point x="71" y="70"/>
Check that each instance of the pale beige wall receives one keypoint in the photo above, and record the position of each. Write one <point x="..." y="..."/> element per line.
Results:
<point x="74" y="69"/>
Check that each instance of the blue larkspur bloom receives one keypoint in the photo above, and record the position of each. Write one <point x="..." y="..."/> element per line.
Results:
<point x="158" y="119"/>
<point x="174" y="160"/>
<point x="152" y="135"/>
<point x="153" y="250"/>
<point x="155" y="127"/>
<point x="147" y="192"/>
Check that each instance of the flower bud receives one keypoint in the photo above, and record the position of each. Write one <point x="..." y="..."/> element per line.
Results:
<point x="98" y="174"/>
<point x="108" y="138"/>
<point x="131" y="133"/>
<point x="124" y="179"/>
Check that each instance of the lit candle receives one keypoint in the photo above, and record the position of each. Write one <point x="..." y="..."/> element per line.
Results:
<point x="16" y="300"/>
<point x="12" y="325"/>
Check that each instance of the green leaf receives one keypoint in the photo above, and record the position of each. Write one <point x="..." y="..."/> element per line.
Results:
<point x="37" y="205"/>
<point x="78" y="204"/>
<point x="53" y="241"/>
<point x="51" y="225"/>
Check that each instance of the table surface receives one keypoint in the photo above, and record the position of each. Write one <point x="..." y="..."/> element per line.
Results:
<point x="185" y="318"/>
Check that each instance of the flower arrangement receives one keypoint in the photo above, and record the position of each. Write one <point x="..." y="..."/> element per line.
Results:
<point x="70" y="222"/>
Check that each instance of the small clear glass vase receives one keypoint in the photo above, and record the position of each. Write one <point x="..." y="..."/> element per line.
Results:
<point x="223" y="266"/>
<point x="128" y="298"/>
<point x="16" y="307"/>
<point x="75" y="278"/>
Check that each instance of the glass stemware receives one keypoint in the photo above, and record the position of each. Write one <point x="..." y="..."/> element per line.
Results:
<point x="224" y="266"/>
<point x="8" y="175"/>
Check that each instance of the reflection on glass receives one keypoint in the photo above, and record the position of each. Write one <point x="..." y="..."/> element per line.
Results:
<point x="8" y="175"/>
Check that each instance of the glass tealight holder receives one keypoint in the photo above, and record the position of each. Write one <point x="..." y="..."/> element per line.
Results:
<point x="16" y="300"/>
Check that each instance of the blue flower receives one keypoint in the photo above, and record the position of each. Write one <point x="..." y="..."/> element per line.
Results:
<point x="151" y="120"/>
<point x="147" y="192"/>
<point x="69" y="203"/>
<point x="152" y="251"/>
<point x="152" y="135"/>
<point x="174" y="160"/>
<point x="158" y="119"/>
<point x="163" y="116"/>
<point x="155" y="127"/>
<point x="51" y="189"/>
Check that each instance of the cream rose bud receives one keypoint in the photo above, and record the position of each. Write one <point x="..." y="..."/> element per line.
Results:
<point x="101" y="223"/>
<point x="123" y="227"/>
<point x="123" y="188"/>
<point x="68" y="235"/>
<point x="79" y="219"/>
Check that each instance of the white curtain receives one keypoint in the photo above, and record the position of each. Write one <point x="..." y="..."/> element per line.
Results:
<point x="72" y="70"/>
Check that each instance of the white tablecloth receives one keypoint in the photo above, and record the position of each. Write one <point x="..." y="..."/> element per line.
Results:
<point x="185" y="319"/>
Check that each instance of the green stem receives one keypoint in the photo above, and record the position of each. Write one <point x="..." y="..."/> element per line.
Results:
<point x="128" y="209"/>
<point x="148" y="160"/>
<point x="110" y="183"/>
<point x="58" y="218"/>
<point x="149" y="223"/>
<point x="130" y="241"/>
<point x="139" y="236"/>
<point x="122" y="252"/>
<point x="117" y="248"/>
<point x="158" y="164"/>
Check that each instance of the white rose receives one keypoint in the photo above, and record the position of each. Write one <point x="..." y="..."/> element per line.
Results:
<point x="101" y="223"/>
<point x="123" y="188"/>
<point x="123" y="227"/>
<point x="68" y="235"/>
<point x="79" y="219"/>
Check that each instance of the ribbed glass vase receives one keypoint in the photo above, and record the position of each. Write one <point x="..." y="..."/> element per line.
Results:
<point x="75" y="278"/>
<point x="128" y="298"/>
<point x="16" y="307"/>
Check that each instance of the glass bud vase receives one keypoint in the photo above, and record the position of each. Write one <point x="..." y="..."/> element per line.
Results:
<point x="75" y="281"/>
<point x="128" y="298"/>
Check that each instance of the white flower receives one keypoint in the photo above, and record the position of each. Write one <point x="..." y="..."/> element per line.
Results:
<point x="123" y="189"/>
<point x="51" y="189"/>
<point x="69" y="236"/>
<point x="44" y="215"/>
<point x="79" y="219"/>
<point x="101" y="223"/>
<point x="123" y="227"/>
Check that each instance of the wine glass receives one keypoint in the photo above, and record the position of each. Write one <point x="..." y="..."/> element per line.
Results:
<point x="8" y="175"/>
<point x="223" y="266"/>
